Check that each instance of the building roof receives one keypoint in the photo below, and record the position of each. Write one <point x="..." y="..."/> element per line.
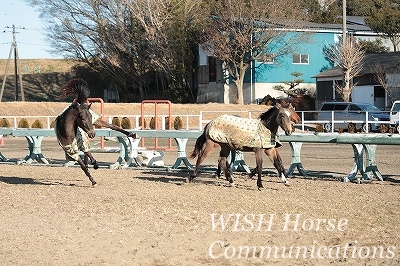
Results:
<point x="354" y="25"/>
<point x="391" y="61"/>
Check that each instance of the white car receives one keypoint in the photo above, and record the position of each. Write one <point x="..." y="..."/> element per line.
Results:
<point x="395" y="115"/>
<point x="349" y="112"/>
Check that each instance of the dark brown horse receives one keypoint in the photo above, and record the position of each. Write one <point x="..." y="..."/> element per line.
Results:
<point x="67" y="126"/>
<point x="80" y="89"/>
<point x="76" y="121"/>
<point x="245" y="134"/>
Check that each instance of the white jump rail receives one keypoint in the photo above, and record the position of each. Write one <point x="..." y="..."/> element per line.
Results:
<point x="205" y="116"/>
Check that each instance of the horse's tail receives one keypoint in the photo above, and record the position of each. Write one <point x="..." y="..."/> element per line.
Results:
<point x="76" y="87"/>
<point x="199" y="143"/>
<point x="198" y="146"/>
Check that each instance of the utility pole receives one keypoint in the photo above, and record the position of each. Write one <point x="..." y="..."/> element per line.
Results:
<point x="344" y="23"/>
<point x="18" y="75"/>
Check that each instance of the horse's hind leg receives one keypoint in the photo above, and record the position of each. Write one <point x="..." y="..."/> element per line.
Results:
<point x="86" y="170"/>
<point x="276" y="159"/>
<point x="92" y="159"/>
<point x="209" y="146"/>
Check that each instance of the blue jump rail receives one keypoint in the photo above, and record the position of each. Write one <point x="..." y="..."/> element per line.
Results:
<point x="360" y="142"/>
<point x="129" y="147"/>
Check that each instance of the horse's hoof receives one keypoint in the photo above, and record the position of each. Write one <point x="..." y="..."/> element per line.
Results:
<point x="95" y="165"/>
<point x="94" y="184"/>
<point x="286" y="184"/>
<point x="232" y="184"/>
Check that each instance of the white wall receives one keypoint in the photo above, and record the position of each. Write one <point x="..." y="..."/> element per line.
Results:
<point x="363" y="94"/>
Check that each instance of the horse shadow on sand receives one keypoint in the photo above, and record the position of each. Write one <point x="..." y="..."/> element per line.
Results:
<point x="242" y="181"/>
<point x="16" y="180"/>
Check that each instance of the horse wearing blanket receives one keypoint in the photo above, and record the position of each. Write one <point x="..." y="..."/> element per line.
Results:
<point x="246" y="134"/>
<point x="74" y="126"/>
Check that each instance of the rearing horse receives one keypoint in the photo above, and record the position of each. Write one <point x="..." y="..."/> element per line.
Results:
<point x="245" y="134"/>
<point x="76" y="121"/>
<point x="66" y="128"/>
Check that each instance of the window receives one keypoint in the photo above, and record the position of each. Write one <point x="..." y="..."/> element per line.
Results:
<point x="340" y="107"/>
<point x="354" y="108"/>
<point x="300" y="59"/>
<point x="212" y="69"/>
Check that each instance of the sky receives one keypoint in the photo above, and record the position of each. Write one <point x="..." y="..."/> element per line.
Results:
<point x="30" y="39"/>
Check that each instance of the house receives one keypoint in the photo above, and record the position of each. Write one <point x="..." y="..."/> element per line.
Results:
<point x="262" y="77"/>
<point x="367" y="88"/>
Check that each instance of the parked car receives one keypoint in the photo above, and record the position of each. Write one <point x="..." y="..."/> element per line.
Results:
<point x="348" y="112"/>
<point x="395" y="115"/>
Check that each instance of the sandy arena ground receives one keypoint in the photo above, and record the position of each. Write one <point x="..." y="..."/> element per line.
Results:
<point x="50" y="215"/>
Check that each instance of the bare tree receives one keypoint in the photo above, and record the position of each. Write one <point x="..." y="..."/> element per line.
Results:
<point x="388" y="78"/>
<point x="244" y="31"/>
<point x="349" y="57"/>
<point x="129" y="40"/>
<point x="171" y="28"/>
<point x="102" y="35"/>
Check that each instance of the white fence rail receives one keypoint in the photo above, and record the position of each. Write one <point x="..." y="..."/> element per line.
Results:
<point x="197" y="122"/>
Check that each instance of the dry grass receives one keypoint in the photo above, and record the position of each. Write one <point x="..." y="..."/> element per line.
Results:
<point x="31" y="66"/>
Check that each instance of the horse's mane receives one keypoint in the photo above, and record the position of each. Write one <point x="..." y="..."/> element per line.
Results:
<point x="76" y="87"/>
<point x="264" y="116"/>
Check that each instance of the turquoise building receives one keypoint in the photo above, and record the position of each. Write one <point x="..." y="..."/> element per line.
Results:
<point x="263" y="77"/>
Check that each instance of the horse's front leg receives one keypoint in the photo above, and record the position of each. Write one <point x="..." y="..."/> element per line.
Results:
<point x="276" y="159"/>
<point x="92" y="159"/>
<point x="85" y="160"/>
<point x="219" y="169"/>
<point x="224" y="166"/>
<point x="259" y="161"/>
<point x="223" y="163"/>
<point x="86" y="170"/>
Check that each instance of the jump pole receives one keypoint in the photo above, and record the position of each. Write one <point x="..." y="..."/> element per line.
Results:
<point x="156" y="103"/>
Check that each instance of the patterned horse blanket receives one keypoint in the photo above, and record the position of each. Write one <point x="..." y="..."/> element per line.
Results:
<point x="239" y="132"/>
<point x="81" y="140"/>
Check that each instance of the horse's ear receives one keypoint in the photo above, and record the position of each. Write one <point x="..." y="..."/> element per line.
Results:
<point x="90" y="104"/>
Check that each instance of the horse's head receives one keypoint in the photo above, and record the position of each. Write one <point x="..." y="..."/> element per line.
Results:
<point x="84" y="119"/>
<point x="287" y="116"/>
<point x="283" y="119"/>
<point x="294" y="117"/>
